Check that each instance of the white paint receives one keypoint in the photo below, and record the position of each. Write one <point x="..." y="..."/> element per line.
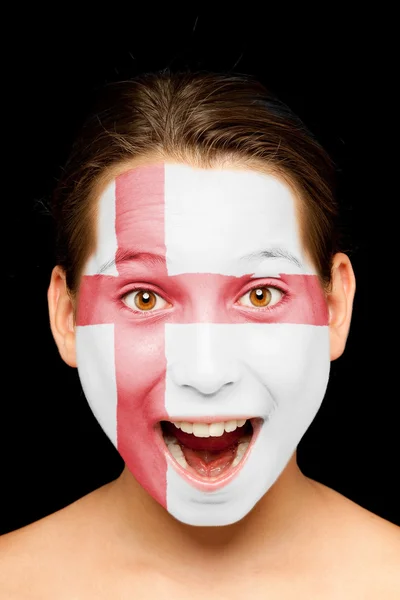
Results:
<point x="213" y="217"/>
<point x="95" y="360"/>
<point x="106" y="236"/>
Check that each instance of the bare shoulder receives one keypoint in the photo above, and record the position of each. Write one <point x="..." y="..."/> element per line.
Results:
<point x="37" y="558"/>
<point x="357" y="552"/>
<point x="362" y="546"/>
<point x="358" y="519"/>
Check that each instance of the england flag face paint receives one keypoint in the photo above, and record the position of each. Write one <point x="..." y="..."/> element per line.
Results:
<point x="202" y="335"/>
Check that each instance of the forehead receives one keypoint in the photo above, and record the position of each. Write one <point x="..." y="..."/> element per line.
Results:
<point x="203" y="220"/>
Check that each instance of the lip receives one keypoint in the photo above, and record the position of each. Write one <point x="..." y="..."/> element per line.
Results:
<point x="203" y="483"/>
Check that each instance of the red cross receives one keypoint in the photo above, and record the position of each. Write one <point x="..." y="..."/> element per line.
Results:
<point x="140" y="361"/>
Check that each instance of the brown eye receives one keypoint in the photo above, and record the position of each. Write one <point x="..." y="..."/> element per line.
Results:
<point x="261" y="297"/>
<point x="143" y="300"/>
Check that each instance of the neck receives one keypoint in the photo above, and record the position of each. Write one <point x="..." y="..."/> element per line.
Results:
<point x="284" y="512"/>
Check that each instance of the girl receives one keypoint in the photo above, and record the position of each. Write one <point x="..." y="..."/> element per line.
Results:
<point x="201" y="294"/>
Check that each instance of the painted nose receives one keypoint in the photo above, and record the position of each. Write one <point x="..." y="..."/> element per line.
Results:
<point x="205" y="363"/>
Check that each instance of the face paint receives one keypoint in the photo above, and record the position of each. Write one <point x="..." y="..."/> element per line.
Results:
<point x="199" y="306"/>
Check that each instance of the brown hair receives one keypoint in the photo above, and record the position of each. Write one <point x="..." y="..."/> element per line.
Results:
<point x="204" y="119"/>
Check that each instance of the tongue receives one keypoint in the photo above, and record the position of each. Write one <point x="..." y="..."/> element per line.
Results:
<point x="210" y="456"/>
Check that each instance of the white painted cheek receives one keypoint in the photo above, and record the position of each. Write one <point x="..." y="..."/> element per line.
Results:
<point x="96" y="367"/>
<point x="292" y="362"/>
<point x="290" y="359"/>
<point x="106" y="243"/>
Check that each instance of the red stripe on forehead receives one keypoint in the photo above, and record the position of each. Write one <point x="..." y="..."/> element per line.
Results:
<point x="140" y="191"/>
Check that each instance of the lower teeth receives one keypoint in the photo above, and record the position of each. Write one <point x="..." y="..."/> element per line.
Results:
<point x="177" y="453"/>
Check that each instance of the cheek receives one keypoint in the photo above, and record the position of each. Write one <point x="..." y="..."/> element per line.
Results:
<point x="140" y="363"/>
<point x="96" y="368"/>
<point x="292" y="361"/>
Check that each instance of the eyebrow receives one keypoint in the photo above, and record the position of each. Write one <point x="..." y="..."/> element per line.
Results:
<point x="124" y="256"/>
<point x="272" y="253"/>
<point x="157" y="260"/>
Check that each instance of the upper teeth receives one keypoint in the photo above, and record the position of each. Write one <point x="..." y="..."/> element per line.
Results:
<point x="209" y="430"/>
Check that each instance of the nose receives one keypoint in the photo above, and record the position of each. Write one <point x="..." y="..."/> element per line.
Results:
<point x="205" y="360"/>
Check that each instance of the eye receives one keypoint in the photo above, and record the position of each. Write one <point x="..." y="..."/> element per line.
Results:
<point x="262" y="297"/>
<point x="144" y="300"/>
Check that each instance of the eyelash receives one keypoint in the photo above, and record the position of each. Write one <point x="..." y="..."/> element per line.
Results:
<point x="149" y="289"/>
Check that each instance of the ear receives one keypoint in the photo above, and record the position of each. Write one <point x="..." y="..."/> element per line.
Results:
<point x="340" y="303"/>
<point x="61" y="311"/>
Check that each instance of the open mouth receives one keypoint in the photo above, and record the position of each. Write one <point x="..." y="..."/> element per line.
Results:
<point x="210" y="451"/>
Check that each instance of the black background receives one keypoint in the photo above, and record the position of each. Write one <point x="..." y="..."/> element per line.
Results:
<point x="337" y="76"/>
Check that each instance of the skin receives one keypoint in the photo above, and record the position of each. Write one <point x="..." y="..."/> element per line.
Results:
<point x="301" y="538"/>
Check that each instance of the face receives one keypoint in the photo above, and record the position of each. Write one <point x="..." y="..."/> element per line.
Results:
<point x="202" y="335"/>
